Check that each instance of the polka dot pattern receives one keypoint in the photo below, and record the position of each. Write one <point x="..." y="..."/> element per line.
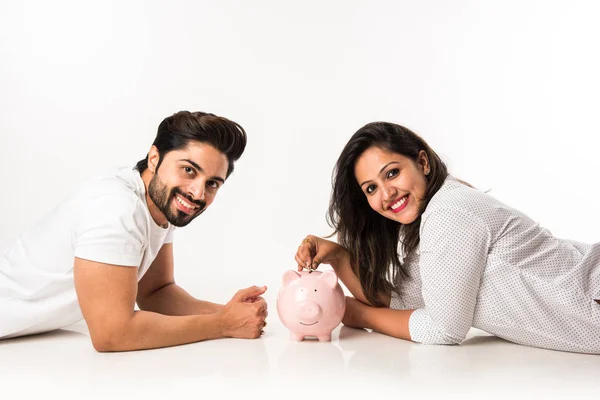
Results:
<point x="483" y="264"/>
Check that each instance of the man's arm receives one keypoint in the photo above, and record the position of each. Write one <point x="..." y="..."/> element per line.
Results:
<point x="107" y="294"/>
<point x="158" y="292"/>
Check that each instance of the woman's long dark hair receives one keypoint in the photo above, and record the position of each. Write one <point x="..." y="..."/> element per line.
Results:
<point x="372" y="239"/>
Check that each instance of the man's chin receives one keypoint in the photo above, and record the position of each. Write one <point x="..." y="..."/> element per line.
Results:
<point x="182" y="219"/>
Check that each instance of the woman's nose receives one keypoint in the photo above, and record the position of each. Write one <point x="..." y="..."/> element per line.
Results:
<point x="388" y="193"/>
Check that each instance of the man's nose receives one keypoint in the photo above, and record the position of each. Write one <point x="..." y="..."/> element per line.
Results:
<point x="196" y="189"/>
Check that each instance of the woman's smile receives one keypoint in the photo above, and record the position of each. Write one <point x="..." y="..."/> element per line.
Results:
<point x="399" y="204"/>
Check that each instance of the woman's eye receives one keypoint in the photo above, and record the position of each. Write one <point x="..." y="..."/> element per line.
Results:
<point x="371" y="188"/>
<point x="393" y="172"/>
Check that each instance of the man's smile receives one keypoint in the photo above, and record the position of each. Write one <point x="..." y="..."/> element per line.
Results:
<point x="184" y="205"/>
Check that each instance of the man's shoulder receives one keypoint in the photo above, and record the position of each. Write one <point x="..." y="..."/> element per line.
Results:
<point x="114" y="191"/>
<point x="111" y="202"/>
<point x="115" y="181"/>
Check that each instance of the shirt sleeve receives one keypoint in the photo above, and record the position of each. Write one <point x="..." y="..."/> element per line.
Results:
<point x="454" y="248"/>
<point x="169" y="238"/>
<point x="112" y="230"/>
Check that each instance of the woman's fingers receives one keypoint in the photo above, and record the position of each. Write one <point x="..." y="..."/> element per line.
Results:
<point x="301" y="264"/>
<point x="305" y="252"/>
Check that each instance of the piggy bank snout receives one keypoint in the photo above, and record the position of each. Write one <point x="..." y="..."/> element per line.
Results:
<point x="309" y="311"/>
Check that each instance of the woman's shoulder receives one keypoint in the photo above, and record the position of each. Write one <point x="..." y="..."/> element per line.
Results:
<point x="455" y="201"/>
<point x="458" y="210"/>
<point x="456" y="195"/>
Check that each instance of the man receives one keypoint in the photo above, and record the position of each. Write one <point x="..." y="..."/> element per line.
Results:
<point x="110" y="245"/>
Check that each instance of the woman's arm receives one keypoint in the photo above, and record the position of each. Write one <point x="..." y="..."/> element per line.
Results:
<point x="454" y="247"/>
<point x="383" y="320"/>
<point x="453" y="253"/>
<point x="315" y="251"/>
<point x="345" y="273"/>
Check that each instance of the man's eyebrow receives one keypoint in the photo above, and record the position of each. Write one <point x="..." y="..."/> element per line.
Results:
<point x="381" y="170"/>
<point x="199" y="168"/>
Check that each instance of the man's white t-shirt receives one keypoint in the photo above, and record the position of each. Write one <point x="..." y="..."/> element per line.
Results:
<point x="106" y="221"/>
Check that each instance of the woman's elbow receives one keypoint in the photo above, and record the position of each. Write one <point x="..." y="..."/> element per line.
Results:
<point x="443" y="337"/>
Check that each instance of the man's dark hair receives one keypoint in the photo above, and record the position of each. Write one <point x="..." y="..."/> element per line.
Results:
<point x="178" y="130"/>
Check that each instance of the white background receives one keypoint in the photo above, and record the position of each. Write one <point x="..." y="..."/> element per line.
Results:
<point x="505" y="91"/>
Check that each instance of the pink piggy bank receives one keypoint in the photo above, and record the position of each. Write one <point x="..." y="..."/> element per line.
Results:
<point x="311" y="304"/>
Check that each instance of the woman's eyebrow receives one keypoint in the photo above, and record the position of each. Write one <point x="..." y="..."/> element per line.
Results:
<point x="381" y="170"/>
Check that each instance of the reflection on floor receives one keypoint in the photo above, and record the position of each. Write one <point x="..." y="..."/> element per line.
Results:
<point x="356" y="363"/>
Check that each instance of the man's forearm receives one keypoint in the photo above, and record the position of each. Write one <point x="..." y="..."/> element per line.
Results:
<point x="149" y="330"/>
<point x="174" y="300"/>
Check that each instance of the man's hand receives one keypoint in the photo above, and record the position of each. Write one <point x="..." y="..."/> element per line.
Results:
<point x="244" y="315"/>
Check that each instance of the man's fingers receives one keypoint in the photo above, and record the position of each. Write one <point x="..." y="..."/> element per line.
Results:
<point x="253" y="291"/>
<point x="261" y="306"/>
<point x="254" y="299"/>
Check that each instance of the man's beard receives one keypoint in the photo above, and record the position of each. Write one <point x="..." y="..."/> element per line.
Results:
<point x="163" y="198"/>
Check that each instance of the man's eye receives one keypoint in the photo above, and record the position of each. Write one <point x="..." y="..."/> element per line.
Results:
<point x="371" y="189"/>
<point x="393" y="172"/>
<point x="212" y="184"/>
<point x="188" y="170"/>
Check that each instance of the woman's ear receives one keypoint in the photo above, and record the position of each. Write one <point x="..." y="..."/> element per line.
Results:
<point x="423" y="161"/>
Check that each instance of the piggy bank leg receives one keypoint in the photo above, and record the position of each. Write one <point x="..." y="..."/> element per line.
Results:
<point x="296" y="337"/>
<point x="324" y="338"/>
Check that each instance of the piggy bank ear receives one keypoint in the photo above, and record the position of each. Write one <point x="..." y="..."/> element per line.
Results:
<point x="330" y="278"/>
<point x="289" y="277"/>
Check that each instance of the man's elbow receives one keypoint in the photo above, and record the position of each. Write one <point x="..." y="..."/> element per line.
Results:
<point x="102" y="345"/>
<point x="109" y="339"/>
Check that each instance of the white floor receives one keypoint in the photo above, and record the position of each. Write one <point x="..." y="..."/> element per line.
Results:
<point x="356" y="364"/>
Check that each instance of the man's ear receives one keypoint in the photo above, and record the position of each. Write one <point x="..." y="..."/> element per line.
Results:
<point x="153" y="159"/>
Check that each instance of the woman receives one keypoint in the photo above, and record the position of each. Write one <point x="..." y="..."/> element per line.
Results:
<point x="446" y="257"/>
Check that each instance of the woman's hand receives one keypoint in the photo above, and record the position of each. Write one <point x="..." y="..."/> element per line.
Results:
<point x="354" y="312"/>
<point x="314" y="251"/>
